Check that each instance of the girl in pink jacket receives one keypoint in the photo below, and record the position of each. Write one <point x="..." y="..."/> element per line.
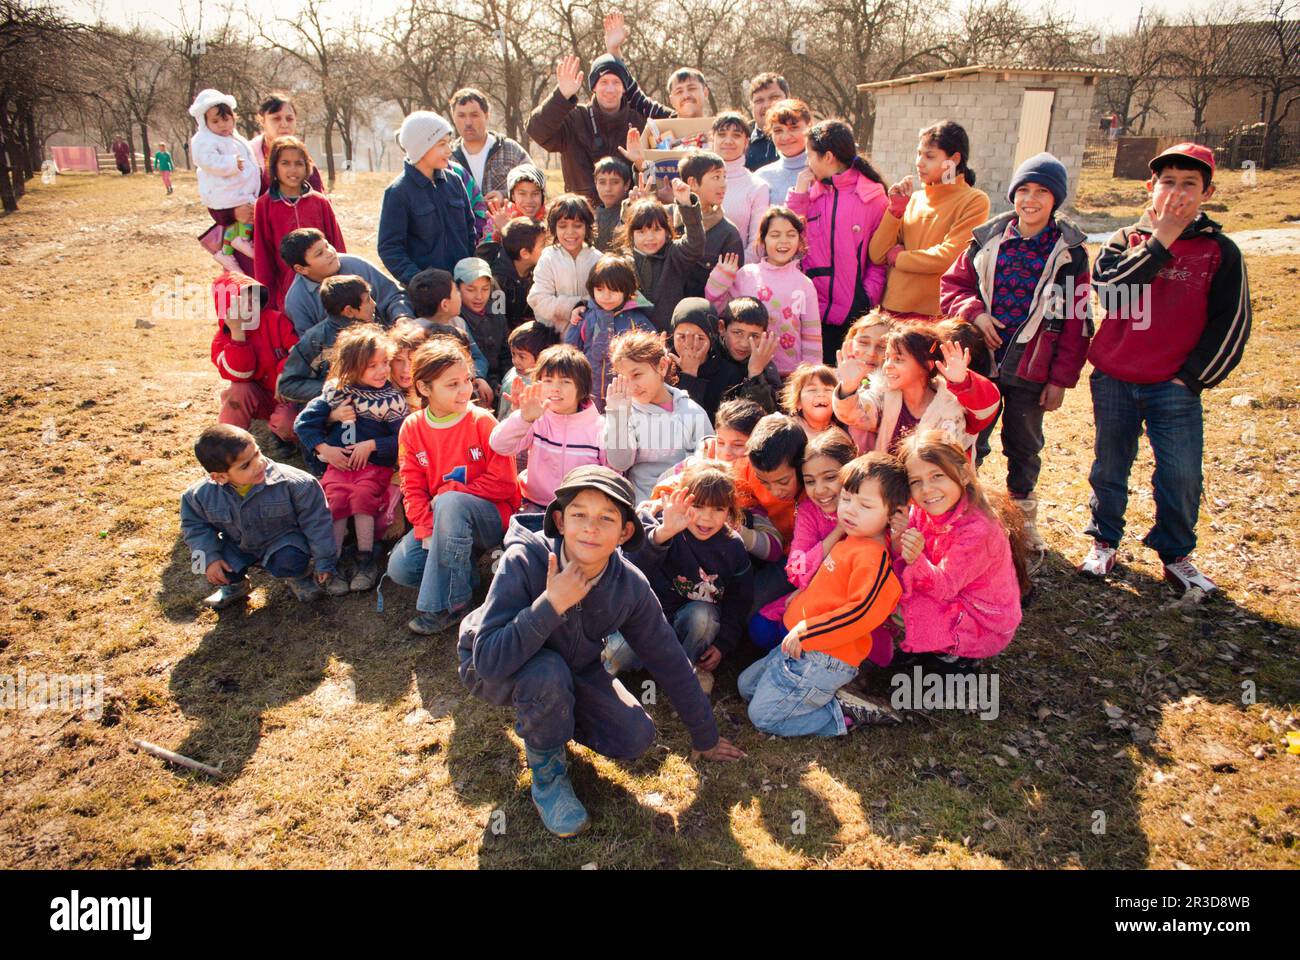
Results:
<point x="961" y="561"/>
<point x="842" y="199"/>
<point x="556" y="421"/>
<point x="779" y="285"/>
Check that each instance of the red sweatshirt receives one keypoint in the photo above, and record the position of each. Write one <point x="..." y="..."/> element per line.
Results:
<point x="441" y="457"/>
<point x="274" y="218"/>
<point x="260" y="357"/>
<point x="853" y="592"/>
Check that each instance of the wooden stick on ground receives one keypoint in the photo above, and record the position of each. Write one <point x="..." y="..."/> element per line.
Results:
<point x="177" y="758"/>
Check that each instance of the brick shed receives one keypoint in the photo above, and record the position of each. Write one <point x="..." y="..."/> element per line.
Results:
<point x="1010" y="113"/>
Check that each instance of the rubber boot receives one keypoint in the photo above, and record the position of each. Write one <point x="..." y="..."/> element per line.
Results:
<point x="561" y="811"/>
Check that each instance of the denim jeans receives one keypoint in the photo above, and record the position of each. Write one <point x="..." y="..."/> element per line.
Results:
<point x="696" y="624"/>
<point x="1021" y="417"/>
<point x="794" y="698"/>
<point x="1172" y="416"/>
<point x="444" y="571"/>
<point x="287" y="563"/>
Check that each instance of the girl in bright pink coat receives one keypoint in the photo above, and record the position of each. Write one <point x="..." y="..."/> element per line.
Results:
<point x="842" y="199"/>
<point x="963" y="572"/>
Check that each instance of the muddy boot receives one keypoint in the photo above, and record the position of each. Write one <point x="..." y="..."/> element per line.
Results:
<point x="561" y="811"/>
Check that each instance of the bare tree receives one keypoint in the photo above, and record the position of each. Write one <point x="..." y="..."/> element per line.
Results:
<point x="1202" y="58"/>
<point x="1142" y="56"/>
<point x="1275" y="69"/>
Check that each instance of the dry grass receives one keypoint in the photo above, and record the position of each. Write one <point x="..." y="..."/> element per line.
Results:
<point x="347" y="744"/>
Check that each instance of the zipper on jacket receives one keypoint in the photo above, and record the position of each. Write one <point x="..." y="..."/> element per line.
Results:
<point x="835" y="209"/>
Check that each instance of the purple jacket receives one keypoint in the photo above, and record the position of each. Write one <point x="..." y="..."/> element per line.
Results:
<point x="841" y="218"/>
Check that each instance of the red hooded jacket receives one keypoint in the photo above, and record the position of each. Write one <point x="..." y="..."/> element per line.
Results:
<point x="261" y="355"/>
<point x="274" y="218"/>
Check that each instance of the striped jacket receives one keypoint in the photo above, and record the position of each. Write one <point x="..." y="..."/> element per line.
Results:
<point x="1179" y="312"/>
<point x="853" y="592"/>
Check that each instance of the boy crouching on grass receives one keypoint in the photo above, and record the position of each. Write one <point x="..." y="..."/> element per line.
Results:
<point x="535" y="643"/>
<point x="251" y="511"/>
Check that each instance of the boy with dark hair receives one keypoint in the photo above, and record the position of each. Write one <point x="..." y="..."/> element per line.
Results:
<point x="1178" y="317"/>
<point x="749" y="346"/>
<point x="613" y="184"/>
<point x="770" y="475"/>
<point x="796" y="689"/>
<point x="521" y="648"/>
<point x="526" y="343"/>
<point x="706" y="174"/>
<point x="346" y="300"/>
<point x="250" y="511"/>
<point x="512" y="254"/>
<point x="313" y="258"/>
<point x="436" y="302"/>
<point x="706" y="369"/>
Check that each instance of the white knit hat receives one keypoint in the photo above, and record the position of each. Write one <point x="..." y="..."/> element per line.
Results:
<point x="206" y="100"/>
<point x="420" y="131"/>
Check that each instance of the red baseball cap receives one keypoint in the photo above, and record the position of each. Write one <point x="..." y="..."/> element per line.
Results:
<point x="1191" y="151"/>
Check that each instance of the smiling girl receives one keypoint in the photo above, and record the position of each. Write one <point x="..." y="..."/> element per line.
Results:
<point x="613" y="308"/>
<point x="809" y="397"/>
<point x="926" y="384"/>
<point x="924" y="230"/>
<point x="746" y="198"/>
<point x="961" y="559"/>
<point x="649" y="424"/>
<point x="560" y="277"/>
<point x="663" y="264"/>
<point x="458" y="492"/>
<point x="777" y="282"/>
<point x="290" y="204"/>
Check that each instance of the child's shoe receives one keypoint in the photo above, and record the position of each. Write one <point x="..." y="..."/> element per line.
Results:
<point x="1100" y="560"/>
<point x="305" y="589"/>
<point x="561" y="811"/>
<point x="427" y="624"/>
<point x="1029" y="510"/>
<point x="336" y="586"/>
<point x="366" y="574"/>
<point x="860" y="712"/>
<point x="1183" y="576"/>
<point x="228" y="594"/>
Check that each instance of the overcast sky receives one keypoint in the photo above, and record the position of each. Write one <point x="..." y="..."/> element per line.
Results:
<point x="1114" y="14"/>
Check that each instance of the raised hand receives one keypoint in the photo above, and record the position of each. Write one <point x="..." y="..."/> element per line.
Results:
<point x="954" y="363"/>
<point x="616" y="395"/>
<point x="912" y="542"/>
<point x="763" y="351"/>
<point x="532" y="404"/>
<point x="616" y="33"/>
<point x="730" y="262"/>
<point x="681" y="192"/>
<point x="564" y="587"/>
<point x="989" y="325"/>
<point x="1170" y="215"/>
<point x="634" y="151"/>
<point x="850" y="370"/>
<point x="692" y="353"/>
<point x="676" y="515"/>
<point x="568" y="76"/>
<point x="803" y="181"/>
<point x="499" y="213"/>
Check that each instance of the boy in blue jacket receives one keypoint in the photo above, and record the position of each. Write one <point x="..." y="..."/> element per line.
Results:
<point x="536" y="641"/>
<point x="427" y="218"/>
<point x="250" y="511"/>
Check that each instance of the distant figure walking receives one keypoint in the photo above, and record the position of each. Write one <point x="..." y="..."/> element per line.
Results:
<point x="122" y="156"/>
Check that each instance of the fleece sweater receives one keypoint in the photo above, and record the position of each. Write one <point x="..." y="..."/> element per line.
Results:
<point x="935" y="228"/>
<point x="555" y="442"/>
<point x="792" y="307"/>
<point x="853" y="592"/>
<point x="642" y="440"/>
<point x="560" y="284"/>
<point x="812" y="525"/>
<point x="453" y="455"/>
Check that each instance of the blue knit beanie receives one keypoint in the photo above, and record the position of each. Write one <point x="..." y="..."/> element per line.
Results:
<point x="1042" y="169"/>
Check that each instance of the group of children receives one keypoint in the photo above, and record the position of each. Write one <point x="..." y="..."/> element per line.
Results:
<point x="688" y="428"/>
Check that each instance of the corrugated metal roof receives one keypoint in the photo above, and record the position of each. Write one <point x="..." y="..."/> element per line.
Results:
<point x="951" y="72"/>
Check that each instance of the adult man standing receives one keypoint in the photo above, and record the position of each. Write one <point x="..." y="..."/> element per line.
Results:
<point x="764" y="90"/>
<point x="584" y="133"/>
<point x="486" y="156"/>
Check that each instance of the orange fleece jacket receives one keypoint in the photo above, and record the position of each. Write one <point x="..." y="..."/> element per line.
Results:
<point x="936" y="227"/>
<point x="853" y="592"/>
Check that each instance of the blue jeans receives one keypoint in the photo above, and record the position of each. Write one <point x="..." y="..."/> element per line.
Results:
<point x="1173" y="420"/>
<point x="444" y="571"/>
<point x="794" y="698"/>
<point x="696" y="624"/>
<point x="289" y="562"/>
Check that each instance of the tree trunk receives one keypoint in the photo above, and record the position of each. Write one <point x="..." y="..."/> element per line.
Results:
<point x="329" y="153"/>
<point x="8" y="200"/>
<point x="35" y="148"/>
<point x="144" y="148"/>
<point x="1270" y="132"/>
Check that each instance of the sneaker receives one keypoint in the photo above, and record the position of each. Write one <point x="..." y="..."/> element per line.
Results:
<point x="305" y="588"/>
<point x="336" y="586"/>
<point x="230" y="593"/>
<point x="1100" y="560"/>
<point x="861" y="712"/>
<point x="427" y="624"/>
<point x="366" y="574"/>
<point x="1183" y="576"/>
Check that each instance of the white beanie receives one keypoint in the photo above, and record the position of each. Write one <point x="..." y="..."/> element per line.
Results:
<point x="206" y="100"/>
<point x="420" y="131"/>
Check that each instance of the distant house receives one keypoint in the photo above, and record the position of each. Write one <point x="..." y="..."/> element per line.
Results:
<point x="1010" y="113"/>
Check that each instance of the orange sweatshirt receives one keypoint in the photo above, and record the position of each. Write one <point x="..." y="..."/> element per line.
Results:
<point x="936" y="227"/>
<point x="453" y="455"/>
<point x="853" y="592"/>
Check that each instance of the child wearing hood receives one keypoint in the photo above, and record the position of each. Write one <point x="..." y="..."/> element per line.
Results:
<point x="613" y="308"/>
<point x="228" y="174"/>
